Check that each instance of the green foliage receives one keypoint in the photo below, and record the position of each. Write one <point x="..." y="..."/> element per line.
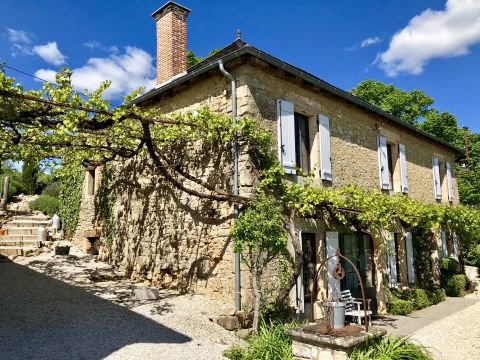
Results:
<point x="71" y="180"/>
<point x="419" y="298"/>
<point x="193" y="60"/>
<point x="473" y="255"/>
<point x="396" y="306"/>
<point x="443" y="125"/>
<point x="408" y="106"/>
<point x="454" y="285"/>
<point x="46" y="204"/>
<point x="436" y="295"/>
<point x="390" y="348"/>
<point x="449" y="266"/>
<point x="30" y="172"/>
<point x="105" y="206"/>
<point x="15" y="186"/>
<point x="52" y="189"/>
<point x="270" y="343"/>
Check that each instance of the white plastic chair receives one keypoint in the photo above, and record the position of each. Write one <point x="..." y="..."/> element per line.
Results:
<point x="354" y="307"/>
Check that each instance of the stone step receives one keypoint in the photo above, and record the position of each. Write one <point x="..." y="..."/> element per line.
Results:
<point x="18" y="237"/>
<point x="22" y="231"/>
<point x="26" y="223"/>
<point x="15" y="250"/>
<point x="31" y="218"/>
<point x="20" y="243"/>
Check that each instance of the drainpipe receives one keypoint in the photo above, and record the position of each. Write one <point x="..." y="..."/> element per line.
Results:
<point x="238" y="294"/>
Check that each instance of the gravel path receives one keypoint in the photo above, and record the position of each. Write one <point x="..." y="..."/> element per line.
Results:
<point x="56" y="308"/>
<point x="455" y="337"/>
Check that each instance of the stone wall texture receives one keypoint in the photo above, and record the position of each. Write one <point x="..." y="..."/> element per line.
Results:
<point x="181" y="242"/>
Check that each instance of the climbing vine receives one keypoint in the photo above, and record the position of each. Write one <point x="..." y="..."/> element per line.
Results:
<point x="105" y="206"/>
<point x="71" y="185"/>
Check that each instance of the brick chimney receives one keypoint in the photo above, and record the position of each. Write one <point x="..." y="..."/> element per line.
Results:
<point x="171" y="24"/>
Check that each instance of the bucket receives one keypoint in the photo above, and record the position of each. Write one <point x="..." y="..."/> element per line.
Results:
<point x="337" y="308"/>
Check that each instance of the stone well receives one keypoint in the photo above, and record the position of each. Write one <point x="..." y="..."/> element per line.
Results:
<point x="310" y="342"/>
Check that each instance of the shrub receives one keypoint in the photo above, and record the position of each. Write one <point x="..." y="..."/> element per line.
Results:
<point x="454" y="285"/>
<point x="473" y="256"/>
<point x="436" y="295"/>
<point x="449" y="266"/>
<point x="45" y="203"/>
<point x="52" y="190"/>
<point x="271" y="342"/>
<point x="419" y="298"/>
<point x="396" y="306"/>
<point x="390" y="347"/>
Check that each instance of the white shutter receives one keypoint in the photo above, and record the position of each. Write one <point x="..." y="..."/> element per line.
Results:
<point x="325" y="156"/>
<point x="286" y="136"/>
<point x="437" y="185"/>
<point x="332" y="246"/>
<point x="448" y="168"/>
<point x="403" y="167"/>
<point x="392" y="262"/>
<point x="409" y="251"/>
<point x="300" y="292"/>
<point x="455" y="246"/>
<point x="443" y="237"/>
<point x="383" y="163"/>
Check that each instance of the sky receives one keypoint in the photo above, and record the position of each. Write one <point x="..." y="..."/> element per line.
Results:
<point x="429" y="45"/>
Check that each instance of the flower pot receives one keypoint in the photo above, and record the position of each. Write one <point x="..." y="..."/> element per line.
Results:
<point x="336" y="309"/>
<point x="3" y="231"/>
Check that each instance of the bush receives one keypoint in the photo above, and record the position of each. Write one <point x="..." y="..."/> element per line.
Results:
<point x="46" y="204"/>
<point x="396" y="306"/>
<point x="436" y="295"/>
<point x="449" y="266"/>
<point x="52" y="190"/>
<point x="271" y="342"/>
<point x="473" y="256"/>
<point x="390" y="347"/>
<point x="454" y="285"/>
<point x="419" y="298"/>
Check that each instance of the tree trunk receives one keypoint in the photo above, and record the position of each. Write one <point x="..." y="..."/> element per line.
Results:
<point x="298" y="259"/>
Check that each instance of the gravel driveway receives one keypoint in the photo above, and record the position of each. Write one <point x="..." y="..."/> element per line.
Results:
<point x="51" y="309"/>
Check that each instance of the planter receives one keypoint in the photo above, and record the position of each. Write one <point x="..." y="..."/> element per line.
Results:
<point x="62" y="250"/>
<point x="3" y="231"/>
<point x="336" y="309"/>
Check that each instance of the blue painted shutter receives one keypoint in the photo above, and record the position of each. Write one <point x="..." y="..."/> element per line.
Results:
<point x="392" y="262"/>
<point x="383" y="163"/>
<point x="403" y="168"/>
<point x="437" y="185"/>
<point x="448" y="168"/>
<point x="286" y="136"/>
<point x="443" y="237"/>
<point x="409" y="251"/>
<point x="325" y="154"/>
<point x="333" y="284"/>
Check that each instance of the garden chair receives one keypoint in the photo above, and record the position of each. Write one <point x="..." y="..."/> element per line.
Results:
<point x="354" y="307"/>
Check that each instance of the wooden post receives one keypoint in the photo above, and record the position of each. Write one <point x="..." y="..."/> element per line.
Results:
<point x="6" y="183"/>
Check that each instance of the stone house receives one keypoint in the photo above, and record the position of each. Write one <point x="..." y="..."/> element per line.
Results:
<point x="176" y="240"/>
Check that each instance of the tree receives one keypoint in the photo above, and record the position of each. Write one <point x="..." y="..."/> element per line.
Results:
<point x="30" y="171"/>
<point x="192" y="59"/>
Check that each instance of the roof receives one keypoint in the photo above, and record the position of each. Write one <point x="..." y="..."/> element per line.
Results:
<point x="168" y="4"/>
<point x="239" y="48"/>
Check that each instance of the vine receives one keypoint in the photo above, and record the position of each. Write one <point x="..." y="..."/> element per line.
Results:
<point x="69" y="198"/>
<point x="105" y="206"/>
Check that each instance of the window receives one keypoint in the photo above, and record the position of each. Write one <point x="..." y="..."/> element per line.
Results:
<point x="302" y="142"/>
<point x="90" y="184"/>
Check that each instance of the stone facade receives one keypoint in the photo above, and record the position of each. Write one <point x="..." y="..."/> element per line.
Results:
<point x="178" y="241"/>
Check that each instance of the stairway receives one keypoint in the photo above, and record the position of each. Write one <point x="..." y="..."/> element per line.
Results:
<point x="21" y="236"/>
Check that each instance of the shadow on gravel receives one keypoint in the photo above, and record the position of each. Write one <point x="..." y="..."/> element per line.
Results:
<point x="44" y="318"/>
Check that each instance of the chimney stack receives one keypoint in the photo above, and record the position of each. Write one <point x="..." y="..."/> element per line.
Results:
<point x="171" y="25"/>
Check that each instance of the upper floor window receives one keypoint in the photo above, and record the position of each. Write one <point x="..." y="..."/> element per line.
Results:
<point x="392" y="165"/>
<point x="302" y="143"/>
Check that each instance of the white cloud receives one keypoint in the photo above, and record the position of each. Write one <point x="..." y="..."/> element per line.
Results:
<point x="127" y="71"/>
<point x="433" y="34"/>
<point x="50" y="53"/>
<point x="364" y="43"/>
<point x="370" y="41"/>
<point x="18" y="36"/>
<point x="92" y="45"/>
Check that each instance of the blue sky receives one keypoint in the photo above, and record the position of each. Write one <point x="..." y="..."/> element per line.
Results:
<point x="429" y="45"/>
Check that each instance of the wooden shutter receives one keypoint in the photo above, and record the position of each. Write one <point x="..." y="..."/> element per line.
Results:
<point x="325" y="155"/>
<point x="409" y="251"/>
<point x="403" y="168"/>
<point x="392" y="262"/>
<point x="332" y="246"/>
<point x="300" y="291"/>
<point x="455" y="245"/>
<point x="286" y="136"/>
<point x="443" y="238"/>
<point x="448" y="168"/>
<point x="437" y="185"/>
<point x="383" y="163"/>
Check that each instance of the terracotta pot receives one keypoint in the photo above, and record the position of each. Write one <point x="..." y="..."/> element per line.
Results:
<point x="3" y="231"/>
